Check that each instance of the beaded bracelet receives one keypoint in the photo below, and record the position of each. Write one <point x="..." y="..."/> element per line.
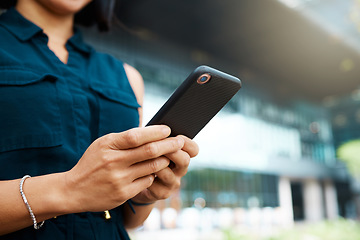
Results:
<point x="36" y="226"/>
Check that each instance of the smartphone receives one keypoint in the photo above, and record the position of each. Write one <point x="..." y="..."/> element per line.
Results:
<point x="196" y="101"/>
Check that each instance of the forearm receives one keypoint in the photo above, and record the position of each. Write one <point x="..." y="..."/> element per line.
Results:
<point x="44" y="194"/>
<point x="133" y="220"/>
<point x="136" y="154"/>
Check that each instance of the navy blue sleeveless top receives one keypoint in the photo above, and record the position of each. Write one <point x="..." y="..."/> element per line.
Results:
<point x="50" y="112"/>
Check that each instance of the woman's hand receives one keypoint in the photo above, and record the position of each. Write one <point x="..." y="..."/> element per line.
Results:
<point x="168" y="180"/>
<point x="118" y="166"/>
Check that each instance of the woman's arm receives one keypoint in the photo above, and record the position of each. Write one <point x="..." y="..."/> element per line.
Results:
<point x="44" y="196"/>
<point x="118" y="166"/>
<point x="137" y="84"/>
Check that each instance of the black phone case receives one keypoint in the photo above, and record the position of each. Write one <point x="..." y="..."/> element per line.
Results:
<point x="193" y="105"/>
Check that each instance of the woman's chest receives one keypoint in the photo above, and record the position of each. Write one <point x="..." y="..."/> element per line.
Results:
<point x="44" y="104"/>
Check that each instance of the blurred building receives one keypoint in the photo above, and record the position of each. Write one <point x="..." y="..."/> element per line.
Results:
<point x="345" y="117"/>
<point x="257" y="153"/>
<point x="267" y="156"/>
<point x="270" y="153"/>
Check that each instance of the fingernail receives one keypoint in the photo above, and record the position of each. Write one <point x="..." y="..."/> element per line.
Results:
<point x="164" y="161"/>
<point x="166" y="130"/>
<point x="152" y="177"/>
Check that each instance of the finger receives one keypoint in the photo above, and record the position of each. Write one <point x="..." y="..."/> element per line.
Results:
<point x="181" y="160"/>
<point x="153" y="150"/>
<point x="137" y="136"/>
<point x="190" y="146"/>
<point x="166" y="177"/>
<point x="148" y="167"/>
<point x="140" y="184"/>
<point x="159" y="190"/>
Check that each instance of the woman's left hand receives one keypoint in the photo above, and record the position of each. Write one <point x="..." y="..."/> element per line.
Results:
<point x="168" y="180"/>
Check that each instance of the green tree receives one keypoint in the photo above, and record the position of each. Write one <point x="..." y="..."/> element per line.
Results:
<point x="349" y="153"/>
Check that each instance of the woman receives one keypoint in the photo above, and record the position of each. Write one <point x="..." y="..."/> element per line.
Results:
<point x="70" y="118"/>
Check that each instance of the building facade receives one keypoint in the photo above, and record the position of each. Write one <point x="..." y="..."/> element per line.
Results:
<point x="256" y="153"/>
<point x="345" y="117"/>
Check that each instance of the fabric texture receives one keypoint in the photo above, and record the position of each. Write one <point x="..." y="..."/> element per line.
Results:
<point x="51" y="112"/>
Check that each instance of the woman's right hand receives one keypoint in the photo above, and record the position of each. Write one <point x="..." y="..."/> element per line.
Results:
<point x="118" y="166"/>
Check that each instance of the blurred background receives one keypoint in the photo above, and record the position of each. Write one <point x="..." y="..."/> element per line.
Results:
<point x="281" y="160"/>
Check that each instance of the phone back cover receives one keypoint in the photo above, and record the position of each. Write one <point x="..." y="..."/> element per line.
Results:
<point x="193" y="105"/>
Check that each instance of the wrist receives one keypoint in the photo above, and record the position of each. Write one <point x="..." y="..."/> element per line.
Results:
<point x="46" y="196"/>
<point x="26" y="202"/>
<point x="65" y="195"/>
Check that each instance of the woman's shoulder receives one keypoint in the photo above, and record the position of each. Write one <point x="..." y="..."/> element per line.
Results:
<point x="132" y="73"/>
<point x="136" y="82"/>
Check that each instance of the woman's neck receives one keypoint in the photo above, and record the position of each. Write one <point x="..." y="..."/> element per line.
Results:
<point x="58" y="28"/>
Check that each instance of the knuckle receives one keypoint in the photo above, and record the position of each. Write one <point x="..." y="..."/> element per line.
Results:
<point x="185" y="161"/>
<point x="151" y="150"/>
<point x="175" y="144"/>
<point x="108" y="138"/>
<point x="132" y="137"/>
<point x="153" y="165"/>
<point x="194" y="149"/>
<point x="177" y="184"/>
<point x="107" y="160"/>
<point x="106" y="141"/>
<point x="100" y="143"/>
<point x="168" y="178"/>
<point x="166" y="195"/>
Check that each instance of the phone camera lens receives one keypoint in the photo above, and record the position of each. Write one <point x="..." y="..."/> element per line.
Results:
<point x="204" y="78"/>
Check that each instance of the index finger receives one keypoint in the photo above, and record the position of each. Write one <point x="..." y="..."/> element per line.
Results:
<point x="136" y="137"/>
<point x="190" y="146"/>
